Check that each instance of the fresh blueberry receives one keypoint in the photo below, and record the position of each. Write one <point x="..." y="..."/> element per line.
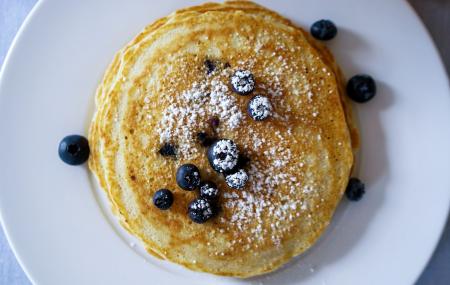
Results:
<point x="355" y="189"/>
<point x="361" y="88"/>
<point x="163" y="199"/>
<point x="223" y="155"/>
<point x="210" y="66"/>
<point x="208" y="190"/>
<point x="204" y="139"/>
<point x="74" y="149"/>
<point x="188" y="177"/>
<point x="323" y="30"/>
<point x="200" y="210"/>
<point x="237" y="180"/>
<point x="243" y="82"/>
<point x="168" y="149"/>
<point x="259" y="108"/>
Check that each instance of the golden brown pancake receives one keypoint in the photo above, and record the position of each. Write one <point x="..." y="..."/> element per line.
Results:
<point x="166" y="86"/>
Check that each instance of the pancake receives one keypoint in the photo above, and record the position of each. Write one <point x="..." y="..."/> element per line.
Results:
<point x="170" y="82"/>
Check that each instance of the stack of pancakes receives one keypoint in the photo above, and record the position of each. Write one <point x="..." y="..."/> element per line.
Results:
<point x="170" y="82"/>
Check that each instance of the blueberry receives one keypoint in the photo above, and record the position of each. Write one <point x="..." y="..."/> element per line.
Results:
<point x="204" y="139"/>
<point x="74" y="149"/>
<point x="223" y="155"/>
<point x="168" y="149"/>
<point x="361" y="88"/>
<point x="208" y="190"/>
<point x="163" y="199"/>
<point x="259" y="108"/>
<point x="237" y="180"/>
<point x="242" y="82"/>
<point x="323" y="30"/>
<point x="210" y="66"/>
<point x="355" y="189"/>
<point x="200" y="210"/>
<point x="188" y="177"/>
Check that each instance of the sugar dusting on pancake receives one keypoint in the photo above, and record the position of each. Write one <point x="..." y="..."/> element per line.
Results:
<point x="189" y="111"/>
<point x="169" y="83"/>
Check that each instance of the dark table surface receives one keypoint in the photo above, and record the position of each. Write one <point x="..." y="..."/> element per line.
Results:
<point x="434" y="13"/>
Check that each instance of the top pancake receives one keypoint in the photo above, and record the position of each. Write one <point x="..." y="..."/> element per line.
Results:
<point x="157" y="90"/>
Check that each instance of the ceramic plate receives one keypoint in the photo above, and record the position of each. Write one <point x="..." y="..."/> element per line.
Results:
<point x="60" y="226"/>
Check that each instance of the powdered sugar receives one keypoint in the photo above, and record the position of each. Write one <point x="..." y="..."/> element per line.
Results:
<point x="262" y="200"/>
<point x="264" y="205"/>
<point x="223" y="104"/>
<point x="185" y="115"/>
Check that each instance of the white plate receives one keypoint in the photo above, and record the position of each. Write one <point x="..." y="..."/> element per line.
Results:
<point x="56" y="218"/>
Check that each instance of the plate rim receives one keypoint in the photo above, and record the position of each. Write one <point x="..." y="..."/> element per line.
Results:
<point x="3" y="69"/>
<point x="35" y="10"/>
<point x="447" y="76"/>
